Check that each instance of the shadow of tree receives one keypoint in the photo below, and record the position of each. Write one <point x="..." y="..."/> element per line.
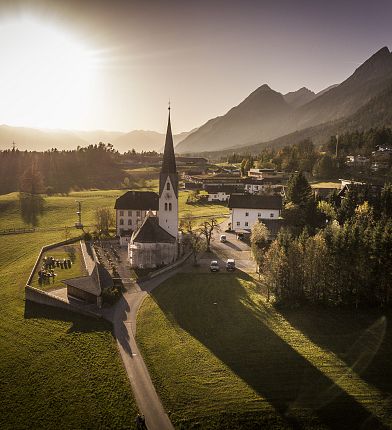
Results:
<point x="80" y="323"/>
<point x="234" y="334"/>
<point x="360" y="337"/>
<point x="32" y="206"/>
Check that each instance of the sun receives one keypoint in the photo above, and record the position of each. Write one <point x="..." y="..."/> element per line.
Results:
<point x="47" y="77"/>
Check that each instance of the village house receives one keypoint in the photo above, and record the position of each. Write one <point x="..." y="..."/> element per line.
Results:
<point x="246" y="209"/>
<point x="131" y="209"/>
<point x="221" y="193"/>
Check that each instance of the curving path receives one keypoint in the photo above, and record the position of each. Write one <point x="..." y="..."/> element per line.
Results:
<point x="123" y="318"/>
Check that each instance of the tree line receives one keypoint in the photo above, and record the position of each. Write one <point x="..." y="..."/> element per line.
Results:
<point x="322" y="162"/>
<point x="335" y="252"/>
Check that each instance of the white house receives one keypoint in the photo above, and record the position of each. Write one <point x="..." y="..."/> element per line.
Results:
<point x="131" y="209"/>
<point x="246" y="209"/>
<point x="266" y="185"/>
<point x="221" y="193"/>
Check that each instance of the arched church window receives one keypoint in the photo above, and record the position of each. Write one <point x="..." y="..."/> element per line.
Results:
<point x="170" y="206"/>
<point x="168" y="186"/>
<point x="165" y="206"/>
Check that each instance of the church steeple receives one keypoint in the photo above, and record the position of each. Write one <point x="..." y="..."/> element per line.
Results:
<point x="168" y="186"/>
<point x="169" y="160"/>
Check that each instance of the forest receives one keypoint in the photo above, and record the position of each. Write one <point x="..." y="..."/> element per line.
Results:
<point x="335" y="252"/>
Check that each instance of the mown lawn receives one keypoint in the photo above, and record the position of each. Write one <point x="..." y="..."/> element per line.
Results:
<point x="60" y="211"/>
<point x="223" y="358"/>
<point x="57" y="369"/>
<point x="77" y="267"/>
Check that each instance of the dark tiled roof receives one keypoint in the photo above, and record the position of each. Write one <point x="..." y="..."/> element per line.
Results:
<point x="228" y="189"/>
<point x="151" y="232"/>
<point x="252" y="201"/>
<point x="142" y="200"/>
<point x="105" y="279"/>
<point x="84" y="283"/>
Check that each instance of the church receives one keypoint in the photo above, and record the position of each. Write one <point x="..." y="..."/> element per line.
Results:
<point x="147" y="222"/>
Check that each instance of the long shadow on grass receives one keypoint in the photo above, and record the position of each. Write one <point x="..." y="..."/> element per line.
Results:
<point x="80" y="323"/>
<point x="233" y="333"/>
<point x="362" y="338"/>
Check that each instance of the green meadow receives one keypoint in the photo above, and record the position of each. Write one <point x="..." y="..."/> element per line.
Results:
<point x="221" y="357"/>
<point x="60" y="211"/>
<point x="58" y="369"/>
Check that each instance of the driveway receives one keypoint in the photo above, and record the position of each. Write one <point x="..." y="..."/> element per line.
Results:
<point x="123" y="316"/>
<point x="232" y="248"/>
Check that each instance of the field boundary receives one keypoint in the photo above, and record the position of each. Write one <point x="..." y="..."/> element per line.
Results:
<point x="36" y="295"/>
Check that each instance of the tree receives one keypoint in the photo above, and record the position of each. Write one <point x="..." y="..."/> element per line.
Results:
<point x="193" y="238"/>
<point x="298" y="190"/>
<point x="207" y="229"/>
<point x="324" y="167"/>
<point x="104" y="220"/>
<point x="259" y="244"/>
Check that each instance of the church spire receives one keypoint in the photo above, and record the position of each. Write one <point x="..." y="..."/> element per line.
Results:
<point x="169" y="160"/>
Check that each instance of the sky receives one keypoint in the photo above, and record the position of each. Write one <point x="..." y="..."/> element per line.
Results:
<point x="113" y="65"/>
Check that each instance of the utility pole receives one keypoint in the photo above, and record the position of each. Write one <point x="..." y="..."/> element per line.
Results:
<point x="337" y="144"/>
<point x="79" y="214"/>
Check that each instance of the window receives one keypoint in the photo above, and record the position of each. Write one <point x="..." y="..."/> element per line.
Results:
<point x="238" y="223"/>
<point x="121" y="221"/>
<point x="246" y="213"/>
<point x="259" y="215"/>
<point x="121" y="213"/>
<point x="170" y="206"/>
<point x="129" y="222"/>
<point x="129" y="213"/>
<point x="271" y="215"/>
<point x="137" y="213"/>
<point x="168" y="186"/>
<point x="246" y="224"/>
<point x="165" y="206"/>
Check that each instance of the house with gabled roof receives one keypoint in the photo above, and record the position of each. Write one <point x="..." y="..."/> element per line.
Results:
<point x="247" y="209"/>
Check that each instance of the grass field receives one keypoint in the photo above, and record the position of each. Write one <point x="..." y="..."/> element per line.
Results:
<point x="60" y="211"/>
<point x="223" y="358"/>
<point x="57" y="369"/>
<point x="77" y="268"/>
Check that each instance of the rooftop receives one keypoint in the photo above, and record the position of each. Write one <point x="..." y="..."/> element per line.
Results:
<point x="151" y="232"/>
<point x="142" y="200"/>
<point x="252" y="201"/>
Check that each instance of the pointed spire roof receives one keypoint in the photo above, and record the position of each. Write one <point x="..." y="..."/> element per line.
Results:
<point x="169" y="160"/>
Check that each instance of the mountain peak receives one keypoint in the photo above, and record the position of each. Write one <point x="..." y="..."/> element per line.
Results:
<point x="378" y="65"/>
<point x="299" y="97"/>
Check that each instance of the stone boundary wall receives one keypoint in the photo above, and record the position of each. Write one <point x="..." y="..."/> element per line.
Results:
<point x="46" y="248"/>
<point x="45" y="298"/>
<point x="170" y="267"/>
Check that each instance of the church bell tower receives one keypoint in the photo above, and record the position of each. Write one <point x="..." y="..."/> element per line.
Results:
<point x="168" y="187"/>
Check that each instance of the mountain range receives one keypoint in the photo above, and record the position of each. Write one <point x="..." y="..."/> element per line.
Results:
<point x="266" y="116"/>
<point x="30" y="139"/>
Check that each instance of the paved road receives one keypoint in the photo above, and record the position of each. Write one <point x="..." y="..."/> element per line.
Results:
<point x="124" y="314"/>
<point x="123" y="318"/>
<point x="233" y="248"/>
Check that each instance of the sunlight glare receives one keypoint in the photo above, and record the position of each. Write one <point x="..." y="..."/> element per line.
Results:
<point x="48" y="76"/>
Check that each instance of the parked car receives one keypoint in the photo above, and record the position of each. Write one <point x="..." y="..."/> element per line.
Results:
<point x="230" y="265"/>
<point x="223" y="238"/>
<point x="240" y="236"/>
<point x="214" y="266"/>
